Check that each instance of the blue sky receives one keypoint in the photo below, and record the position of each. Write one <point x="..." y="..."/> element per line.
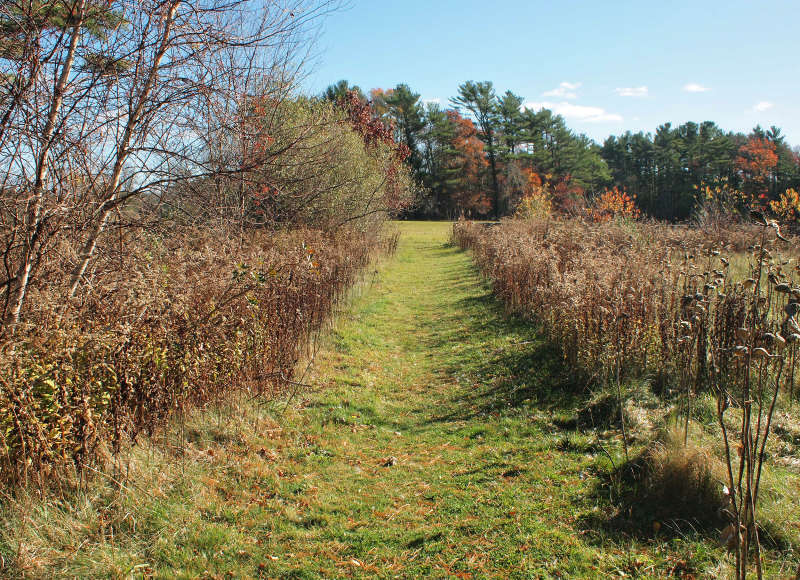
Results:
<point x="607" y="66"/>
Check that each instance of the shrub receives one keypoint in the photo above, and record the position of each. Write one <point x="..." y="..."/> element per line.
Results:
<point x="180" y="319"/>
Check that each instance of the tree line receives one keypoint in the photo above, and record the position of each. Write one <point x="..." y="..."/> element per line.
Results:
<point x="484" y="153"/>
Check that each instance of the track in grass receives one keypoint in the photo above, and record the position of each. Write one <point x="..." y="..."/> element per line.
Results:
<point x="428" y="447"/>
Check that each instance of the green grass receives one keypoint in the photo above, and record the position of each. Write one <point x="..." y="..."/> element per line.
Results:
<point x="423" y="367"/>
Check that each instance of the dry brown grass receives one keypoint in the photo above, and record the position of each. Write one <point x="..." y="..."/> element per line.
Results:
<point x="683" y="481"/>
<point x="702" y="311"/>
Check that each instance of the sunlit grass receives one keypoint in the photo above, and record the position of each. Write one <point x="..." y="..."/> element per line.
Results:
<point x="438" y="440"/>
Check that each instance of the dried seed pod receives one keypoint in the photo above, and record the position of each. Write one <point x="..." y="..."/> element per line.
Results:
<point x="792" y="308"/>
<point x="794" y="337"/>
<point x="749" y="283"/>
<point x="724" y="261"/>
<point x="760" y="353"/>
<point x="780" y="342"/>
<point x="686" y="325"/>
<point x="740" y="351"/>
<point x="743" y="333"/>
<point x="783" y="288"/>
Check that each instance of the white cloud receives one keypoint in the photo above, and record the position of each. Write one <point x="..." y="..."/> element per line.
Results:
<point x="564" y="91"/>
<point x="431" y="101"/>
<point x="575" y="112"/>
<point x="695" y="88"/>
<point x="631" y="91"/>
<point x="763" y="106"/>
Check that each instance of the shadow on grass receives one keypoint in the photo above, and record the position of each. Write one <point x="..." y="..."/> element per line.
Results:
<point x="500" y="361"/>
<point x="503" y="364"/>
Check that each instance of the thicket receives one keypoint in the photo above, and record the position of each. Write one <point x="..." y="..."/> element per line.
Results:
<point x="695" y="313"/>
<point x="175" y="218"/>
<point x="480" y="155"/>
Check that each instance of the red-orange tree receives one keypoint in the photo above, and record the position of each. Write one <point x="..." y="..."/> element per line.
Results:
<point x="615" y="202"/>
<point x="376" y="132"/>
<point x="469" y="163"/>
<point x="756" y="164"/>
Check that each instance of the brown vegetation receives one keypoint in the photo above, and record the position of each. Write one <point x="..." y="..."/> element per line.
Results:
<point x="628" y="300"/>
<point x="179" y="320"/>
<point x="174" y="219"/>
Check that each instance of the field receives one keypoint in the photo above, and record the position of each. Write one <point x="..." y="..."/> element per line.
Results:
<point x="679" y="331"/>
<point x="439" y="439"/>
<point x="260" y="321"/>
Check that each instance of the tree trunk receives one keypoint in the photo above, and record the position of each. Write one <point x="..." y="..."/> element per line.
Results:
<point x="493" y="168"/>
<point x="33" y="220"/>
<point x="111" y="194"/>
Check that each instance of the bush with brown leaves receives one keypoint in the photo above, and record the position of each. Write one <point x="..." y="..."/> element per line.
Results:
<point x="173" y="320"/>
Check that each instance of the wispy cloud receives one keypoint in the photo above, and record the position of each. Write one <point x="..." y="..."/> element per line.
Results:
<point x="631" y="91"/>
<point x="431" y="101"/>
<point x="762" y="106"/>
<point x="575" y="112"/>
<point x="564" y="91"/>
<point x="695" y="88"/>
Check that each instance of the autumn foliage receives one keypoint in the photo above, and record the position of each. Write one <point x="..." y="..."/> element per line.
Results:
<point x="368" y="123"/>
<point x="756" y="161"/>
<point x="614" y="203"/>
<point x="787" y="206"/>
<point x="469" y="162"/>
<point x="536" y="201"/>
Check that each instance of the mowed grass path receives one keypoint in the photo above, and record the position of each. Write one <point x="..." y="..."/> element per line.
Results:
<point x="426" y="448"/>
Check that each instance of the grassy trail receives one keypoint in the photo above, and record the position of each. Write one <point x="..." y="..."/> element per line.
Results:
<point x="426" y="449"/>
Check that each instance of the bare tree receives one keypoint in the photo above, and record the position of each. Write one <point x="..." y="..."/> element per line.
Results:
<point x="113" y="101"/>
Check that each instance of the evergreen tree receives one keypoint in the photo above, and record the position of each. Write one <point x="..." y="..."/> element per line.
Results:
<point x="480" y="99"/>
<point x="338" y="91"/>
<point x="407" y="115"/>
